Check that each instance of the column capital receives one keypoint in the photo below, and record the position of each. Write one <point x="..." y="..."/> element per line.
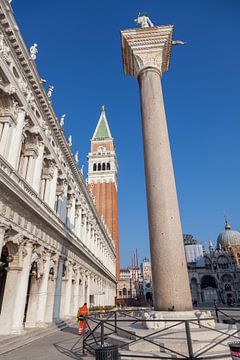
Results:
<point x="146" y="48"/>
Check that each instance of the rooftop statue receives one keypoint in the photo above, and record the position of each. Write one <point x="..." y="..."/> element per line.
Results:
<point x="143" y="20"/>
<point x="62" y="120"/>
<point x="76" y="156"/>
<point x="70" y="140"/>
<point x="33" y="51"/>
<point x="50" y="91"/>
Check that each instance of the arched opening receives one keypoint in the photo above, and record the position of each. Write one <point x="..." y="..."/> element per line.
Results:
<point x="223" y="262"/>
<point x="124" y="291"/>
<point x="108" y="166"/>
<point x="208" y="263"/>
<point x="94" y="167"/>
<point x="3" y="273"/>
<point x="103" y="166"/>
<point x="229" y="297"/>
<point x="209" y="289"/>
<point x="99" y="167"/>
<point x="194" y="291"/>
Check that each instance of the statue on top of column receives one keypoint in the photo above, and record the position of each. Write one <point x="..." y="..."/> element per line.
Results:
<point x="143" y="20"/>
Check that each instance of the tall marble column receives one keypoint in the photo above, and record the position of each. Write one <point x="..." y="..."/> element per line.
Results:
<point x="146" y="55"/>
<point x="58" y="290"/>
<point x="43" y="290"/>
<point x="22" y="285"/>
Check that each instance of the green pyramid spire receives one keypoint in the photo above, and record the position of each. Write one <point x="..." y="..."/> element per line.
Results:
<point x="102" y="130"/>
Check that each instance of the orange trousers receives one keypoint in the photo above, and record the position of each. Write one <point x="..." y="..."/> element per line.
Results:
<point x="82" y="324"/>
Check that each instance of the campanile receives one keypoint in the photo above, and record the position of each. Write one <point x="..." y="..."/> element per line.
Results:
<point x="103" y="178"/>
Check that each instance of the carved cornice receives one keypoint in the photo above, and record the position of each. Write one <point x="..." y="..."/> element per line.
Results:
<point x="147" y="47"/>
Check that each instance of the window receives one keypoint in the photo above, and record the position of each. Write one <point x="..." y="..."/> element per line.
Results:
<point x="103" y="166"/>
<point x="94" y="167"/>
<point x="124" y="291"/>
<point x="108" y="166"/>
<point x="228" y="287"/>
<point x="99" y="167"/>
<point x="120" y="293"/>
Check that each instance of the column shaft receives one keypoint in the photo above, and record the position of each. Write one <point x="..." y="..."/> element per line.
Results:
<point x="43" y="288"/>
<point x="58" y="290"/>
<point x="18" y="310"/>
<point x="169" y="271"/>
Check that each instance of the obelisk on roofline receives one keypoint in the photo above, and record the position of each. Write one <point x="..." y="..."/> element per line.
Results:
<point x="146" y="55"/>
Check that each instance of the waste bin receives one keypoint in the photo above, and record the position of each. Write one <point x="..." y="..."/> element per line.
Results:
<point x="235" y="350"/>
<point x="107" y="352"/>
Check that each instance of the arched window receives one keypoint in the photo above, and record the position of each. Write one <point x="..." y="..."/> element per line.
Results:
<point x="99" y="167"/>
<point x="228" y="287"/>
<point x="223" y="262"/>
<point x="124" y="291"/>
<point x="108" y="166"/>
<point x="94" y="167"/>
<point x="103" y="166"/>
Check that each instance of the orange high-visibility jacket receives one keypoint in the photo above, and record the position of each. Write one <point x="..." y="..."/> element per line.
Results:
<point x="82" y="311"/>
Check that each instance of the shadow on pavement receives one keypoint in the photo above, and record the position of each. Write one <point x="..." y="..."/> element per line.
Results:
<point x="72" y="330"/>
<point x="72" y="348"/>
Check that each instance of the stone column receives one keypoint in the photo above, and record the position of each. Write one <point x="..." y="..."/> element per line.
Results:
<point x="68" y="291"/>
<point x="63" y="202"/>
<point x="16" y="143"/>
<point x="58" y="291"/>
<point x="2" y="233"/>
<point x="53" y="187"/>
<point x="43" y="290"/>
<point x="4" y="138"/>
<point x="76" y="289"/>
<point x="146" y="54"/>
<point x="78" y="215"/>
<point x="18" y="310"/>
<point x="36" y="181"/>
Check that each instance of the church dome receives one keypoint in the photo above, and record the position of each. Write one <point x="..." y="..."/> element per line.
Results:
<point x="228" y="237"/>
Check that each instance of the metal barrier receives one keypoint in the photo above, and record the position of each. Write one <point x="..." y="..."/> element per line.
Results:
<point x="101" y="329"/>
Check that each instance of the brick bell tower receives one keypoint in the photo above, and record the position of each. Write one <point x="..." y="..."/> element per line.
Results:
<point x="103" y="178"/>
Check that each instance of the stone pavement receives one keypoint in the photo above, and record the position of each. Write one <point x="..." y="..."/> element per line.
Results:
<point x="62" y="345"/>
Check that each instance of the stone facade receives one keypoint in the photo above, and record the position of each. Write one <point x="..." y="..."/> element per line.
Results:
<point x="56" y="251"/>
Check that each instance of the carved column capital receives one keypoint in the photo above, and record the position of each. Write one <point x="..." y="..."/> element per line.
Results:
<point x="146" y="48"/>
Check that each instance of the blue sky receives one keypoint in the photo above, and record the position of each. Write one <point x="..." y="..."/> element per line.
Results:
<point x="80" y="54"/>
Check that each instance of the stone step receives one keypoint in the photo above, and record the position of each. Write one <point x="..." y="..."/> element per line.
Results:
<point x="10" y="343"/>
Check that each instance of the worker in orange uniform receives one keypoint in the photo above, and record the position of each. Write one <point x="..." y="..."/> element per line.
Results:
<point x="82" y="312"/>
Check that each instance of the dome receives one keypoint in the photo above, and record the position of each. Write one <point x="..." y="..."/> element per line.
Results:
<point x="228" y="237"/>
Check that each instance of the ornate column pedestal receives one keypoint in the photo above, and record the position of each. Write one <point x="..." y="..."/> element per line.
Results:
<point x="146" y="54"/>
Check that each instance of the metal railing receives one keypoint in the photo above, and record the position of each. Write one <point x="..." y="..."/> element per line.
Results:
<point x="101" y="329"/>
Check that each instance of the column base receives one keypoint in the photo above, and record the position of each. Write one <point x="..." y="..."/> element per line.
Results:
<point x="170" y="318"/>
<point x="41" y="324"/>
<point x="18" y="331"/>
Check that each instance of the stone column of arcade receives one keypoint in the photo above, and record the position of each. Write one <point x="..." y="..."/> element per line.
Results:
<point x="146" y="54"/>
